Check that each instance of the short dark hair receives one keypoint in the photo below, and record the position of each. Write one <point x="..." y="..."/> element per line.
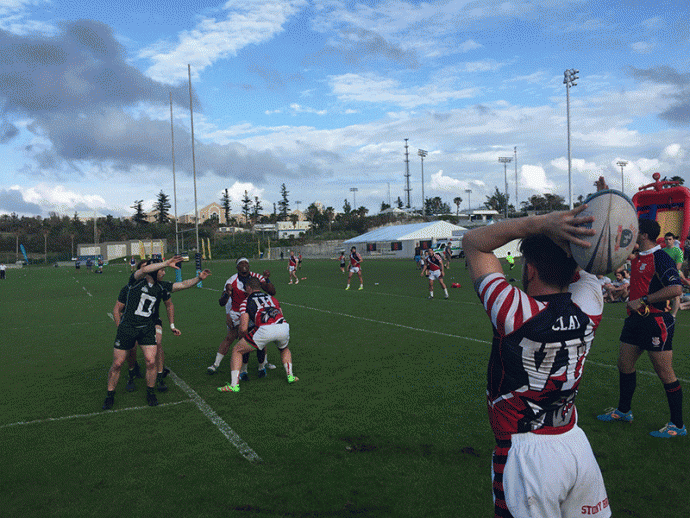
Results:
<point x="254" y="283"/>
<point x="649" y="227"/>
<point x="667" y="234"/>
<point x="552" y="263"/>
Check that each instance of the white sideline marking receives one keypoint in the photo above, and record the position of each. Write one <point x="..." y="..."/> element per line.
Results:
<point x="431" y="331"/>
<point x="92" y="414"/>
<point x="224" y="428"/>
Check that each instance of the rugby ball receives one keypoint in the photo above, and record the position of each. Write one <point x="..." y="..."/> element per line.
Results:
<point x="615" y="223"/>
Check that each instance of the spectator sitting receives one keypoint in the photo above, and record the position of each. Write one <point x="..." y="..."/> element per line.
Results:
<point x="617" y="291"/>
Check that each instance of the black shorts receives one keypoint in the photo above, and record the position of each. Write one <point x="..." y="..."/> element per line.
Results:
<point x="128" y="336"/>
<point x="651" y="333"/>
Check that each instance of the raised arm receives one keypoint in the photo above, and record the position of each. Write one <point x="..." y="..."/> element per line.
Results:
<point x="191" y="282"/>
<point x="154" y="267"/>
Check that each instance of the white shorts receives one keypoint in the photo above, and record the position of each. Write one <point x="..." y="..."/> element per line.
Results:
<point x="234" y="316"/>
<point x="553" y="475"/>
<point x="278" y="333"/>
<point x="434" y="274"/>
<point x="291" y="268"/>
<point x="354" y="269"/>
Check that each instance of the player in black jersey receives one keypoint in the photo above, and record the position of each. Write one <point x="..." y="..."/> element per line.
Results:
<point x="138" y="323"/>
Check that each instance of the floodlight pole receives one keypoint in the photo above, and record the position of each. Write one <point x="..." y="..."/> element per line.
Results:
<point x="516" y="177"/>
<point x="569" y="81"/>
<point x="422" y="153"/>
<point x="407" y="174"/>
<point x="354" y="197"/>
<point x="505" y="160"/>
<point x="469" y="205"/>
<point x="172" y="140"/>
<point x="622" y="164"/>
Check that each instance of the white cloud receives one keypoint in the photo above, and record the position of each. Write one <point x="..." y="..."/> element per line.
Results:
<point x="297" y="108"/>
<point x="373" y="88"/>
<point x="673" y="152"/>
<point x="246" y="23"/>
<point x="469" y="45"/>
<point x="534" y="177"/>
<point x="441" y="182"/>
<point x="486" y="65"/>
<point x="59" y="199"/>
<point x="642" y="47"/>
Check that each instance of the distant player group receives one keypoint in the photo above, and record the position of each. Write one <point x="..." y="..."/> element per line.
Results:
<point x="253" y="317"/>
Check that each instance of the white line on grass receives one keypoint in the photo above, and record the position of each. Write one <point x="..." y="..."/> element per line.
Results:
<point x="431" y="331"/>
<point x="92" y="414"/>
<point x="224" y="428"/>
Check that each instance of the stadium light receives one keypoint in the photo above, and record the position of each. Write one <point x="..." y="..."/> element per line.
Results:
<point x="469" y="205"/>
<point x="354" y="197"/>
<point x="622" y="164"/>
<point x="505" y="160"/>
<point x="570" y="76"/>
<point x="422" y="153"/>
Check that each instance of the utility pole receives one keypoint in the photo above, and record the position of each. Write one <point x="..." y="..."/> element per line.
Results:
<point x="407" y="174"/>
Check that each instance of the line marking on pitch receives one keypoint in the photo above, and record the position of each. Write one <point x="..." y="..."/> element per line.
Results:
<point x="431" y="331"/>
<point x="92" y="414"/>
<point x="237" y="441"/>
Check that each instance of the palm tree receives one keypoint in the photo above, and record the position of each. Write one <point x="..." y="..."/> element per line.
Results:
<point x="457" y="200"/>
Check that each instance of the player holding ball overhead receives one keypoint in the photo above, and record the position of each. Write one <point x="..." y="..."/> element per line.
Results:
<point x="543" y="465"/>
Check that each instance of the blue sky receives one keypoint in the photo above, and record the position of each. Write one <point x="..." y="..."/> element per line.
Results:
<point x="322" y="95"/>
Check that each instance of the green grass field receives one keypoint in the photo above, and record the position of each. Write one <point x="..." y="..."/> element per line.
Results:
<point x="388" y="418"/>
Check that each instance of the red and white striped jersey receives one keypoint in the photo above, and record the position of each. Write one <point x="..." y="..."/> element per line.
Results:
<point x="237" y="283"/>
<point x="538" y="352"/>
<point x="433" y="262"/>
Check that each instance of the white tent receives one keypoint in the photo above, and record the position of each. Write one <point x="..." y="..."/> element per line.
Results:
<point x="401" y="240"/>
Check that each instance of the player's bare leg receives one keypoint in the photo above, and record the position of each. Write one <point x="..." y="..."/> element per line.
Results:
<point x="223" y="349"/>
<point x="242" y="347"/>
<point x="119" y="357"/>
<point x="150" y="357"/>
<point x="114" y="373"/>
<point x="160" y="360"/>
<point x="443" y="285"/>
<point x="286" y="359"/>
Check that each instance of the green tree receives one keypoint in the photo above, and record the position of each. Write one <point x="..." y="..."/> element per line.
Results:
<point x="283" y="204"/>
<point x="384" y="206"/>
<point x="256" y="212"/>
<point x="162" y="208"/>
<point x="435" y="206"/>
<point x="400" y="203"/>
<point x="498" y="202"/>
<point x="139" y="216"/>
<point x="246" y="206"/>
<point x="347" y="207"/>
<point x="225" y="203"/>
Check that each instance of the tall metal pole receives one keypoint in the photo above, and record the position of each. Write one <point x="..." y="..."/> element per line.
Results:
<point x="196" y="210"/>
<point x="469" y="205"/>
<point x="505" y="160"/>
<point x="516" y="178"/>
<point x="622" y="164"/>
<point x="407" y="174"/>
<point x="172" y="140"/>
<point x="422" y="153"/>
<point x="354" y="197"/>
<point x="569" y="81"/>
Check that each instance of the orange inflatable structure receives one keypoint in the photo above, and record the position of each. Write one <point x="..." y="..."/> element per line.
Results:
<point x="667" y="202"/>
